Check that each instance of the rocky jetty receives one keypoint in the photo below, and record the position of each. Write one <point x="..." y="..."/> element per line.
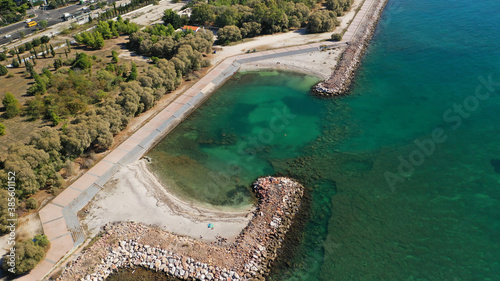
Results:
<point x="131" y="244"/>
<point x="339" y="82"/>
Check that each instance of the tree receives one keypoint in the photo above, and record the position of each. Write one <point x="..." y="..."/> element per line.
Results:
<point x="336" y="37"/>
<point x="31" y="203"/>
<point x="322" y="21"/>
<point x="44" y="39"/>
<point x="250" y="29"/>
<point x="3" y="56"/>
<point x="2" y="129"/>
<point x="82" y="61"/>
<point x="104" y="28"/>
<point x="202" y="14"/>
<point x="114" y="56"/>
<point x="28" y="255"/>
<point x="171" y="17"/>
<point x="229" y="34"/>
<point x="58" y="63"/>
<point x="133" y="73"/>
<point x="36" y="42"/>
<point x="21" y="49"/>
<point x="12" y="105"/>
<point x="15" y="63"/>
<point x="43" y="24"/>
<point x="98" y="41"/>
<point x="3" y="70"/>
<point x="52" y="51"/>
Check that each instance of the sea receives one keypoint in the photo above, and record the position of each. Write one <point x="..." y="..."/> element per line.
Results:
<point x="403" y="174"/>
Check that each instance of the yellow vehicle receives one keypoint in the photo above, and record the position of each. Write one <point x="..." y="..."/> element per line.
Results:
<point x="31" y="23"/>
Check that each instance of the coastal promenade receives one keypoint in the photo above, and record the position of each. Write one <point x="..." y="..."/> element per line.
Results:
<point x="59" y="217"/>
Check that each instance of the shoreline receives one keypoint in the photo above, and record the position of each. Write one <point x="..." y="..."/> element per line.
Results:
<point x="129" y="244"/>
<point x="342" y="77"/>
<point x="152" y="203"/>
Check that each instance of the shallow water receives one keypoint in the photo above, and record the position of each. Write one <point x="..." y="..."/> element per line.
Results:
<point x="387" y="202"/>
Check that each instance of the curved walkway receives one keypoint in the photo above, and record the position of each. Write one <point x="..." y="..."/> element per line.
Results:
<point x="59" y="217"/>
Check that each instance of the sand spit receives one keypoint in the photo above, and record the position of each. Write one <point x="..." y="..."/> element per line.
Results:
<point x="248" y="257"/>
<point x="339" y="82"/>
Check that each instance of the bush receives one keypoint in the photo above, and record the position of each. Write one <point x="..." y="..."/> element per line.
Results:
<point x="12" y="105"/>
<point x="15" y="63"/>
<point x="3" y="56"/>
<point x="2" y="129"/>
<point x="28" y="255"/>
<point x="228" y="34"/>
<point x="336" y="37"/>
<point x="82" y="61"/>
<point x="31" y="203"/>
<point x="21" y="49"/>
<point x="3" y="70"/>
<point x="322" y="21"/>
<point x="41" y="240"/>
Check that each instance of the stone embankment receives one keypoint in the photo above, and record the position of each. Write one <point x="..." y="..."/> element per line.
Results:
<point x="129" y="244"/>
<point x="339" y="82"/>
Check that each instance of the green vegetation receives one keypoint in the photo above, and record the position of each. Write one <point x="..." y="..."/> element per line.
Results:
<point x="43" y="24"/>
<point x="257" y="16"/>
<point x="336" y="37"/>
<point x="28" y="254"/>
<point x="171" y="17"/>
<point x="11" y="12"/>
<point x="228" y="34"/>
<point x="12" y="105"/>
<point x="2" y="129"/>
<point x="31" y="203"/>
<point x="3" y="70"/>
<point x="105" y="30"/>
<point x="96" y="103"/>
<point x="322" y="21"/>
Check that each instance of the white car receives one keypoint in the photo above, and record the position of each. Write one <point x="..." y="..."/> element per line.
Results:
<point x="28" y="20"/>
<point x="7" y="36"/>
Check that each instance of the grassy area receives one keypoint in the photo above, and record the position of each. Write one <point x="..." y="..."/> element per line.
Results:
<point x="19" y="128"/>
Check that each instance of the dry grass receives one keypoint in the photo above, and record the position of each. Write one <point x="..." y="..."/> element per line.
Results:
<point x="18" y="129"/>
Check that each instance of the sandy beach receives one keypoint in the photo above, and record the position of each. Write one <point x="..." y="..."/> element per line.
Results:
<point x="134" y="194"/>
<point x="320" y="64"/>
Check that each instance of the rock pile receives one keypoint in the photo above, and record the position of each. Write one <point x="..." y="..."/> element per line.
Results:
<point x="338" y="84"/>
<point x="129" y="244"/>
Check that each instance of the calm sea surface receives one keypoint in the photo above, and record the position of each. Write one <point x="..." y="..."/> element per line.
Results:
<point x="404" y="174"/>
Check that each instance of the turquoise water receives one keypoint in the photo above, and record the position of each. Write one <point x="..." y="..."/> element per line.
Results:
<point x="404" y="173"/>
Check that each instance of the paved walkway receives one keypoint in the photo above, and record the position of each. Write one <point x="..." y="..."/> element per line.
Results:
<point x="59" y="217"/>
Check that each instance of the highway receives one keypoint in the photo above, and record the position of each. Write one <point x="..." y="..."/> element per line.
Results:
<point x="51" y="16"/>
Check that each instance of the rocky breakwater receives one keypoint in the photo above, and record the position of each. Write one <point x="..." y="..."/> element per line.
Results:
<point x="339" y="82"/>
<point x="129" y="244"/>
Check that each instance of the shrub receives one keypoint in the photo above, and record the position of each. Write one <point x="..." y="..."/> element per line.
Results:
<point x="28" y="255"/>
<point x="228" y="34"/>
<point x="82" y="61"/>
<point x="3" y="70"/>
<point x="31" y="203"/>
<point x="2" y="129"/>
<point x="41" y="240"/>
<point x="337" y="37"/>
<point x="21" y="49"/>
<point x="12" y="105"/>
<point x="3" y="56"/>
<point x="322" y="21"/>
<point x="15" y="63"/>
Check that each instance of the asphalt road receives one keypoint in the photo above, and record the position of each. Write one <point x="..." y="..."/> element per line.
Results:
<point x="51" y="16"/>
